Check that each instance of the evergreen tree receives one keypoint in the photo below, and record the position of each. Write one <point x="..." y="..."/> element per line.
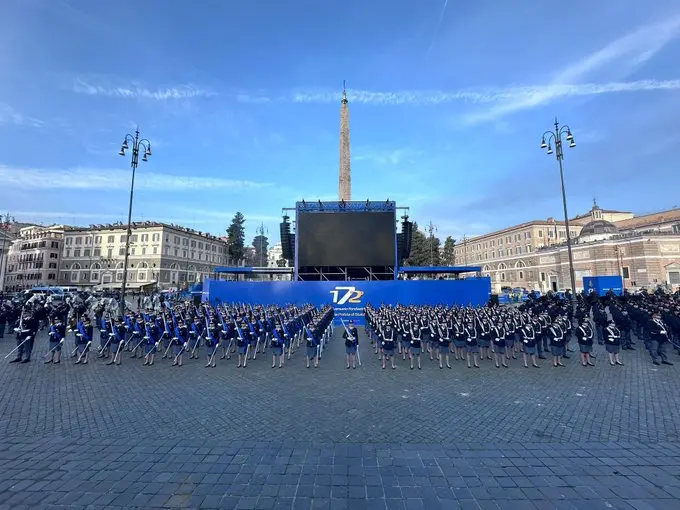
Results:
<point x="236" y="238"/>
<point x="281" y="262"/>
<point x="434" y="257"/>
<point x="261" y="245"/>
<point x="419" y="255"/>
<point x="449" y="252"/>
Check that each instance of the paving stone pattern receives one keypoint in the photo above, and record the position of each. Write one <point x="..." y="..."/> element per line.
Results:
<point x="130" y="436"/>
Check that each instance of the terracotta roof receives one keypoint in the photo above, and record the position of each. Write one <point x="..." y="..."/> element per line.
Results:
<point x="649" y="220"/>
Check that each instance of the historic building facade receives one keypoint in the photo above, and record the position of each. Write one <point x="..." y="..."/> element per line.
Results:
<point x="161" y="256"/>
<point x="508" y="255"/>
<point x="644" y="250"/>
<point x="34" y="257"/>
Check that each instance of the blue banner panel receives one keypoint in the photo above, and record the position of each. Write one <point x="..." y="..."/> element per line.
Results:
<point x="603" y="284"/>
<point x="349" y="298"/>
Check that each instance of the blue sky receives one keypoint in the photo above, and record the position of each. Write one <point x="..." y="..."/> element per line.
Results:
<point x="240" y="99"/>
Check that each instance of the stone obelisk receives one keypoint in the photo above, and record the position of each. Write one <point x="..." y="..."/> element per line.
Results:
<point x="345" y="179"/>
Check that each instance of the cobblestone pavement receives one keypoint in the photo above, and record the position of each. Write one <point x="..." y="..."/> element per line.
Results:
<point x="130" y="436"/>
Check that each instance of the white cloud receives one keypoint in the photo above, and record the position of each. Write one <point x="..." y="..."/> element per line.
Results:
<point x="85" y="178"/>
<point x="138" y="92"/>
<point x="252" y="99"/>
<point x="519" y="94"/>
<point x="385" y="156"/>
<point x="9" y="115"/>
<point x="617" y="59"/>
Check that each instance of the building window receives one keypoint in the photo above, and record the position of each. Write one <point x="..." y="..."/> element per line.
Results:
<point x="674" y="277"/>
<point x="54" y="256"/>
<point x="52" y="265"/>
<point x="86" y="252"/>
<point x="109" y="253"/>
<point x="98" y="240"/>
<point x="132" y="251"/>
<point x="111" y="239"/>
<point x="528" y="248"/>
<point x="121" y="251"/>
<point x="68" y="253"/>
<point x="176" y="240"/>
<point x="76" y="252"/>
<point x="626" y="273"/>
<point x="540" y="233"/>
<point x="518" y="250"/>
<point x="143" y="251"/>
<point x="145" y="238"/>
<point x="155" y="237"/>
<point x="51" y="276"/>
<point x="54" y="245"/>
<point x="97" y="252"/>
<point x="123" y="238"/>
<point x="542" y="277"/>
<point x="79" y="240"/>
<point x="184" y="253"/>
<point x="155" y="250"/>
<point x="69" y="240"/>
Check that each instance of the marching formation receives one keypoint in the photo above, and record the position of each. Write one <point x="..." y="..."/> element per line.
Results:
<point x="174" y="332"/>
<point x="537" y="330"/>
<point x="540" y="329"/>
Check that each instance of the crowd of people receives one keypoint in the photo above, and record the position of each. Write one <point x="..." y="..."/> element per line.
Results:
<point x="543" y="328"/>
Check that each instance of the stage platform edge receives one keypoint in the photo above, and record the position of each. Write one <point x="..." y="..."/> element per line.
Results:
<point x="349" y="298"/>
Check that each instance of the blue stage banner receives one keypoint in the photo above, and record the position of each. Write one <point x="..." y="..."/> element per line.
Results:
<point x="349" y="298"/>
<point x="603" y="284"/>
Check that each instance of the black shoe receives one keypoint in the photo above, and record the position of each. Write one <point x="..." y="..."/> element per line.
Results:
<point x="28" y="360"/>
<point x="16" y="360"/>
<point x="541" y="356"/>
<point x="664" y="362"/>
<point x="565" y="356"/>
<point x="656" y="362"/>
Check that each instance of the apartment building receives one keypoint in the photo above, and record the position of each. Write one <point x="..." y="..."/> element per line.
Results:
<point x="161" y="256"/>
<point x="33" y="257"/>
<point x="6" y="240"/>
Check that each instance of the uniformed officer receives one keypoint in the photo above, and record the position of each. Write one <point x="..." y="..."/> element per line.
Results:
<point x="658" y="339"/>
<point x="25" y="331"/>
<point x="556" y="333"/>
<point x="584" y="336"/>
<point x="57" y="336"/>
<point x="612" y="342"/>
<point x="498" y="339"/>
<point x="471" y="345"/>
<point x="351" y="337"/>
<point x="415" y="343"/>
<point x="529" y="344"/>
<point x="388" y="344"/>
<point x="277" y="345"/>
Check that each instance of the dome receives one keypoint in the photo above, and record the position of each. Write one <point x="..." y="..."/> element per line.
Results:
<point x="597" y="230"/>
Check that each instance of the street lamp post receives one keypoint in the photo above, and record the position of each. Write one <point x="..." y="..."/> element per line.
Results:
<point x="547" y="140"/>
<point x="145" y="146"/>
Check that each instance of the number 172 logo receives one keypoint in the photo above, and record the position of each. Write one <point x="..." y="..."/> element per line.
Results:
<point x="342" y="295"/>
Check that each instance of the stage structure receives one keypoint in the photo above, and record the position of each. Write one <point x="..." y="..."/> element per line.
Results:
<point x="345" y="241"/>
